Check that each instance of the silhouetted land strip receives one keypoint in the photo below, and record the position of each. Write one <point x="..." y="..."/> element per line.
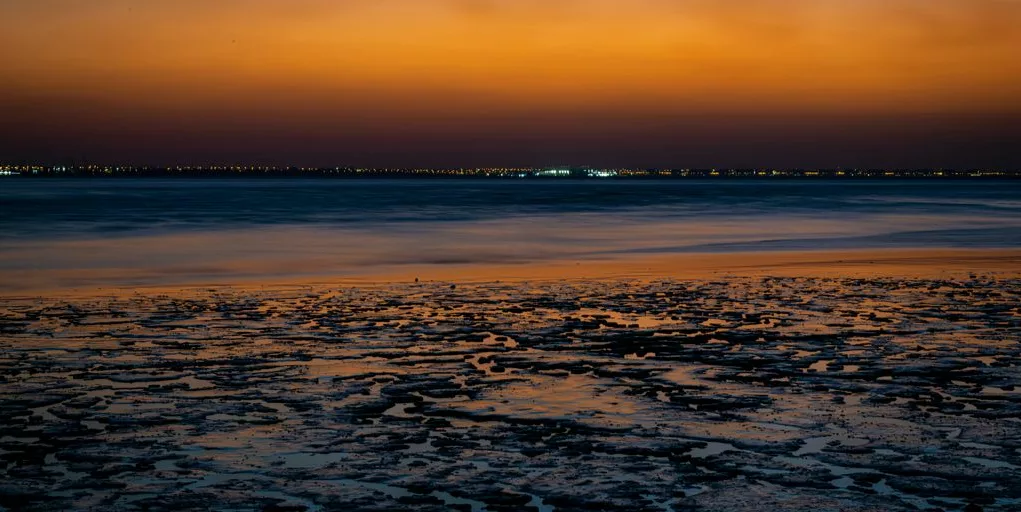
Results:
<point x="498" y="173"/>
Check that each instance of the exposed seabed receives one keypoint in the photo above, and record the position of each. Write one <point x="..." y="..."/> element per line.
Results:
<point x="740" y="393"/>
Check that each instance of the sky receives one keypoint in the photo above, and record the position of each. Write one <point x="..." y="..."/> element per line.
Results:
<point x="609" y="83"/>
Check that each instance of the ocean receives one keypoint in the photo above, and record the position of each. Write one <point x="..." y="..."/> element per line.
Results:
<point x="117" y="231"/>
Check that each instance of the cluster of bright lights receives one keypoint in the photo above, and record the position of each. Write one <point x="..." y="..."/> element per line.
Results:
<point x="554" y="172"/>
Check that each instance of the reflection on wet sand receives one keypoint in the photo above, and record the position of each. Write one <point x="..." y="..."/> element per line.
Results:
<point x="751" y="392"/>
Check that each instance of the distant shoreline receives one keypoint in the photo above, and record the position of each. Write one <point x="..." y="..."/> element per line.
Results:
<point x="584" y="173"/>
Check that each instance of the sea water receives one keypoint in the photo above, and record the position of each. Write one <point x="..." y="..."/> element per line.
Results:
<point x="157" y="230"/>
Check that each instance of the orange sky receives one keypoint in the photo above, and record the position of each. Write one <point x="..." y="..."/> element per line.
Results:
<point x="274" y="66"/>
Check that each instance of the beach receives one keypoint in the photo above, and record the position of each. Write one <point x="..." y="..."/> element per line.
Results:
<point x="767" y="386"/>
<point x="872" y="377"/>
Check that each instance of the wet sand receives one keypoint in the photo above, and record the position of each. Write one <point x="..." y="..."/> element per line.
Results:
<point x="922" y="263"/>
<point x="860" y="380"/>
<point x="847" y="263"/>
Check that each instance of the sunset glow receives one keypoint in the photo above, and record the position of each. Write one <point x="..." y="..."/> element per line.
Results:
<point x="412" y="72"/>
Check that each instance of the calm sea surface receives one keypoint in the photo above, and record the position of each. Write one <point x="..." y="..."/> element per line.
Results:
<point x="155" y="230"/>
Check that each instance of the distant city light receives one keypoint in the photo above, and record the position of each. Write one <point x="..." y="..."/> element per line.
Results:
<point x="497" y="172"/>
<point x="554" y="172"/>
